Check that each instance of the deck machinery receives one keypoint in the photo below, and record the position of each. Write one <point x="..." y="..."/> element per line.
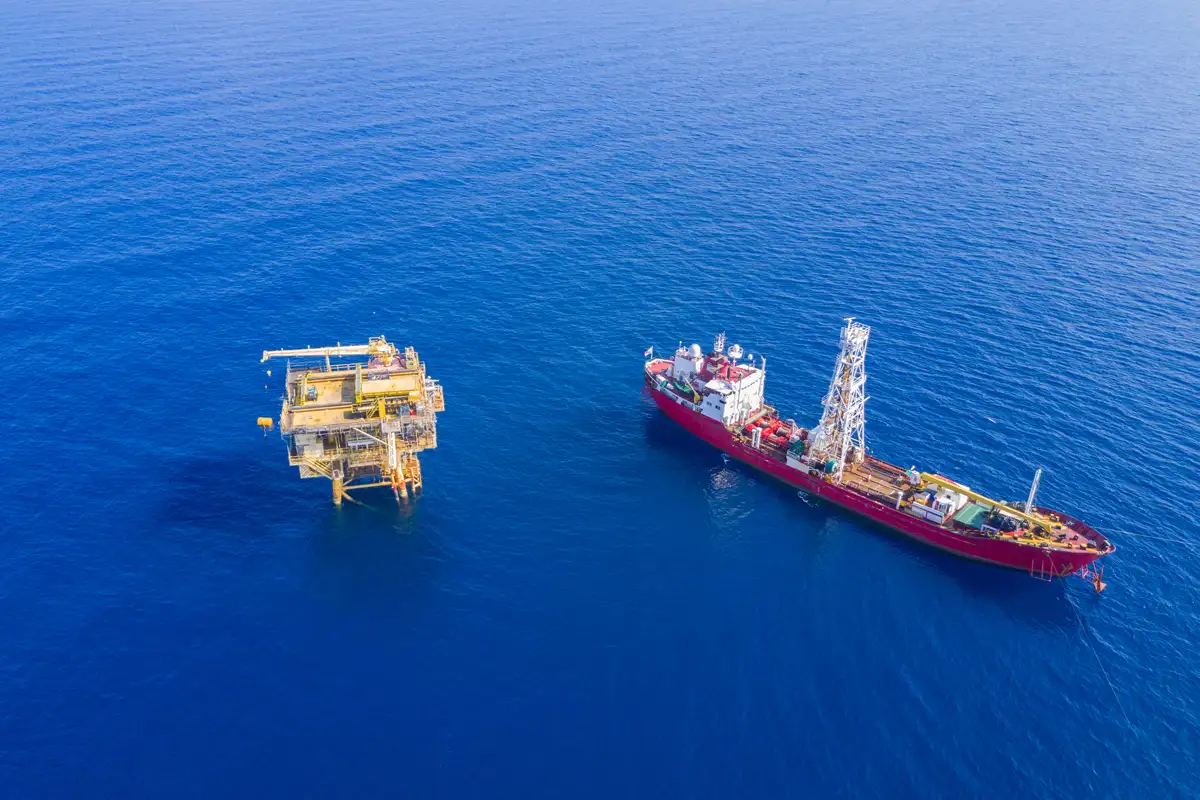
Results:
<point x="358" y="423"/>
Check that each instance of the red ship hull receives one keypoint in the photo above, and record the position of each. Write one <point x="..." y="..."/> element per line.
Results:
<point x="1001" y="552"/>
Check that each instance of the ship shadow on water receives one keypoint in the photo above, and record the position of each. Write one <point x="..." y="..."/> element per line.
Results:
<point x="1022" y="596"/>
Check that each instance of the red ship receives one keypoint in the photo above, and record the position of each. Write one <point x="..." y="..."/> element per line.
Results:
<point x="719" y="397"/>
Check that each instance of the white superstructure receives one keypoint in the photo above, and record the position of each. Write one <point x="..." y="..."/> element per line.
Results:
<point x="688" y="362"/>
<point x="716" y="385"/>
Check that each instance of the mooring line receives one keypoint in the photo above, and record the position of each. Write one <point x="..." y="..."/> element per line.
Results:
<point x="1086" y="634"/>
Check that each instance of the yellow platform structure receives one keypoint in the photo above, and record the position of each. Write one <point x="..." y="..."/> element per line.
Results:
<point x="358" y="422"/>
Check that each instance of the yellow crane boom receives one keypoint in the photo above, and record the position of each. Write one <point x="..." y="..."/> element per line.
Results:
<point x="378" y="347"/>
<point x="340" y="350"/>
<point x="938" y="480"/>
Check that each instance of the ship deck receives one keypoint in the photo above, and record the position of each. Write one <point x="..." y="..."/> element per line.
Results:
<point x="886" y="483"/>
<point x="659" y="366"/>
<point x="876" y="479"/>
<point x="334" y="402"/>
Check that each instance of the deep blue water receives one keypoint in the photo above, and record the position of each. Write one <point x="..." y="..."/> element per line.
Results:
<point x="585" y="602"/>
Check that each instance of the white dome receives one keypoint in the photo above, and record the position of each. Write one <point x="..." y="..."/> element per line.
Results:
<point x="696" y="351"/>
<point x="735" y="352"/>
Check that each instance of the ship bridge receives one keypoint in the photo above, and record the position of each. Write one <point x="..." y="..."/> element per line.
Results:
<point x="715" y="385"/>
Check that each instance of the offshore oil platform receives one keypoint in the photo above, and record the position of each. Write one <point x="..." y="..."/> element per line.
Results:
<point x="358" y="423"/>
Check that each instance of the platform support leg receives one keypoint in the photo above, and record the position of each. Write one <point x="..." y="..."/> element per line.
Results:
<point x="339" y="491"/>
<point x="412" y="473"/>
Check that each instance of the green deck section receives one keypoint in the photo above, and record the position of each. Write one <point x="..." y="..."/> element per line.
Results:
<point x="971" y="515"/>
<point x="685" y="391"/>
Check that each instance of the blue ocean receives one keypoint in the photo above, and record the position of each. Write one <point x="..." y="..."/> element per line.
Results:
<point x="587" y="602"/>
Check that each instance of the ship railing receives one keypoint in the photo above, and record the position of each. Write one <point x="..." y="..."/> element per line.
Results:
<point x="311" y="467"/>
<point x="301" y="365"/>
<point x="366" y="456"/>
<point x="1079" y="526"/>
<point x="309" y="364"/>
<point x="371" y="423"/>
<point x="353" y="456"/>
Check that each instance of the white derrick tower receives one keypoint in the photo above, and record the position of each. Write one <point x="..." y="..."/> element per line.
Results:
<point x="840" y="436"/>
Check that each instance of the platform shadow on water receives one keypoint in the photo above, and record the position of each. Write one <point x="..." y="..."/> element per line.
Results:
<point x="376" y="552"/>
<point x="233" y="491"/>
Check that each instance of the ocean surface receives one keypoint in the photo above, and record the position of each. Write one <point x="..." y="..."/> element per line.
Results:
<point x="586" y="602"/>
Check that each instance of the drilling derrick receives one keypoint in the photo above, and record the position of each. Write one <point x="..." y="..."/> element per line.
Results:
<point x="358" y="423"/>
<point x="839" y="438"/>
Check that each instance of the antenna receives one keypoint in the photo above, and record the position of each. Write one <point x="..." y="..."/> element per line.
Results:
<point x="1037" y="479"/>
<point x="719" y="344"/>
<point x="841" y="437"/>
